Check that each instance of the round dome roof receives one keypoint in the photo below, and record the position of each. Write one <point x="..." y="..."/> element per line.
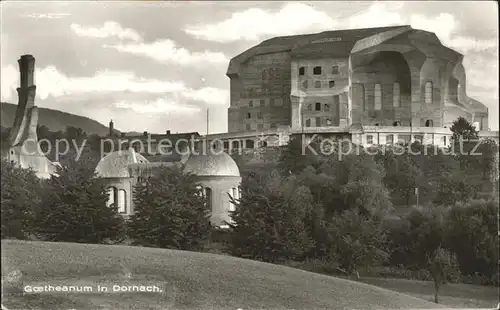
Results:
<point x="212" y="165"/>
<point x="115" y="164"/>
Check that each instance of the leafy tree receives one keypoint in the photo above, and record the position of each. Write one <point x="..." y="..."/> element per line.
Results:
<point x="269" y="220"/>
<point x="473" y="236"/>
<point x="358" y="182"/>
<point x="169" y="211"/>
<point x="455" y="187"/>
<point x="357" y="241"/>
<point x="74" y="206"/>
<point x="442" y="265"/>
<point x="402" y="176"/>
<point x="422" y="240"/>
<point x="462" y="128"/>
<point x="296" y="156"/>
<point x="20" y="200"/>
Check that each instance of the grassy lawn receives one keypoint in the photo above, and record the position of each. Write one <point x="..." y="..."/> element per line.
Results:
<point x="452" y="295"/>
<point x="188" y="280"/>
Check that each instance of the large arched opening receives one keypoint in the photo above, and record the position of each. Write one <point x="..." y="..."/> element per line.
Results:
<point x="385" y="78"/>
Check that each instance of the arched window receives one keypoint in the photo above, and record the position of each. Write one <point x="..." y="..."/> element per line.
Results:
<point x="428" y="92"/>
<point x="122" y="201"/>
<point x="396" y="95"/>
<point x="429" y="123"/>
<point x="378" y="97"/>
<point x="234" y="196"/>
<point x="365" y="97"/>
<point x="208" y="197"/>
<point x="235" y="145"/>
<point x="112" y="196"/>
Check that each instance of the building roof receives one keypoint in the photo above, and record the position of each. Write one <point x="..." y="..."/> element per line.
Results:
<point x="476" y="106"/>
<point x="340" y="44"/>
<point x="306" y="44"/>
<point x="116" y="164"/>
<point x="212" y="164"/>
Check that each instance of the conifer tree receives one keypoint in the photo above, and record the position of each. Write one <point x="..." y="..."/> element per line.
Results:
<point x="20" y="199"/>
<point x="169" y="211"/>
<point x="74" y="206"/>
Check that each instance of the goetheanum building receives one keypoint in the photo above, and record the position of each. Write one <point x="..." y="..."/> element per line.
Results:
<point x="374" y="86"/>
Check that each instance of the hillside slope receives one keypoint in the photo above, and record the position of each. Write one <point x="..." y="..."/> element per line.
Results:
<point x="55" y="120"/>
<point x="188" y="280"/>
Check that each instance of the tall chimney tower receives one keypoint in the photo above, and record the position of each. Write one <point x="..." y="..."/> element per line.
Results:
<point x="26" y="93"/>
<point x="111" y="128"/>
<point x="24" y="149"/>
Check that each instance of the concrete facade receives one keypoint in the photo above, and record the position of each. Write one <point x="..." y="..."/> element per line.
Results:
<point x="377" y="77"/>
<point x="24" y="149"/>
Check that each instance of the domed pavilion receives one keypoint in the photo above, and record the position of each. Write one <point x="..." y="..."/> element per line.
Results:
<point x="217" y="174"/>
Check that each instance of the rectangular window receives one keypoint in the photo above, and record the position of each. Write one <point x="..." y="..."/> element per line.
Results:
<point x="249" y="115"/>
<point x="271" y="102"/>
<point x="335" y="69"/>
<point x="260" y="126"/>
<point x="369" y="139"/>
<point x="305" y="84"/>
<point x="365" y="98"/>
<point x="396" y="95"/>
<point x="308" y="122"/>
<point x="262" y="102"/>
<point x="318" y="106"/>
<point x="327" y="108"/>
<point x="389" y="139"/>
<point x="419" y="138"/>
<point x="328" y="121"/>
<point x="378" y="97"/>
<point x="331" y="84"/>
<point x="250" y="104"/>
<point x="249" y="127"/>
<point x="317" y="84"/>
<point x="428" y="92"/>
<point x="318" y="121"/>
<point x="259" y="115"/>
<point x="302" y="71"/>
<point x="309" y="107"/>
<point x="404" y="139"/>
<point x="317" y="70"/>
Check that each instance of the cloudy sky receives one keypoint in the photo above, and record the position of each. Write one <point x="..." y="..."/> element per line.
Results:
<point x="158" y="65"/>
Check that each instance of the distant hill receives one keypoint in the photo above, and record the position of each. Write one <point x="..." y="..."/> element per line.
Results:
<point x="55" y="120"/>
